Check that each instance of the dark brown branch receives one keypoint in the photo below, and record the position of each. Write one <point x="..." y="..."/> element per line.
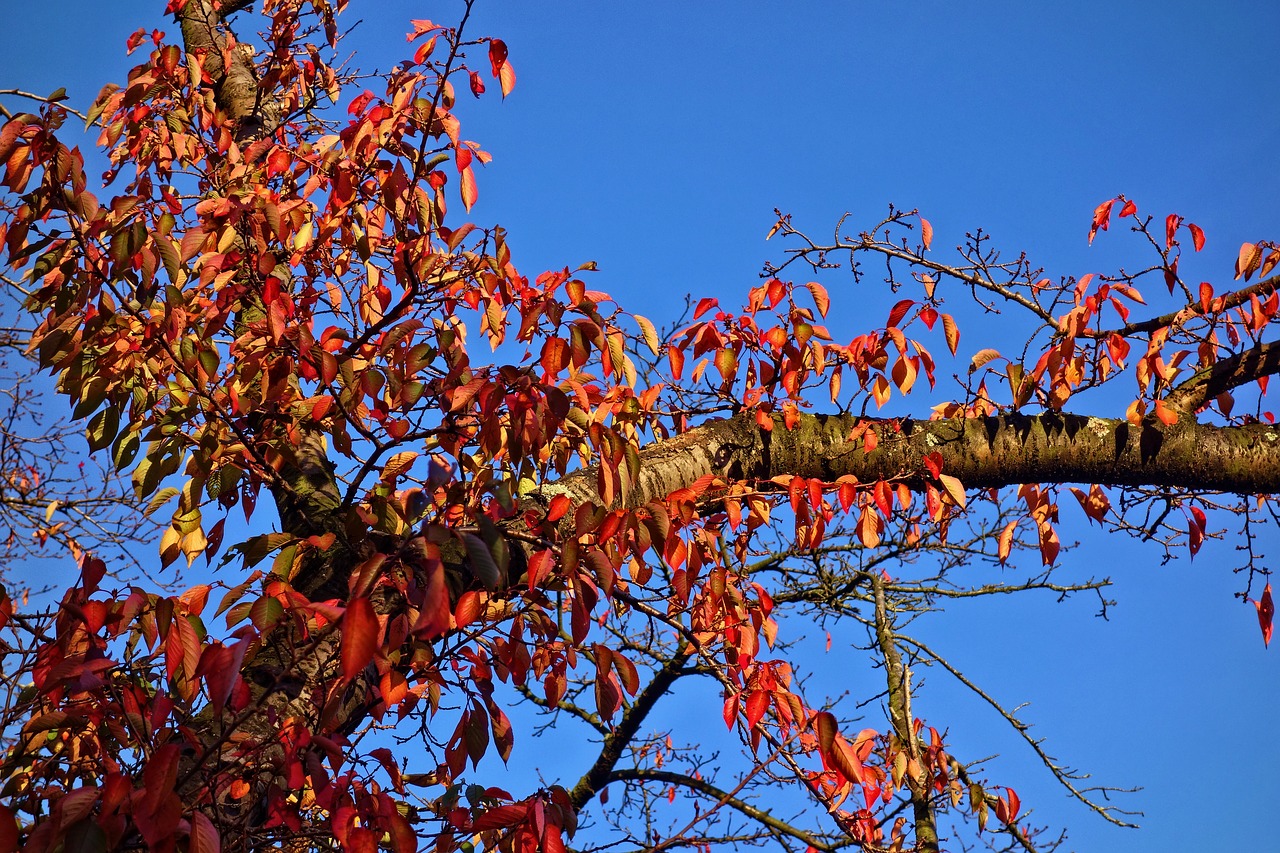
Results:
<point x="1066" y="777"/>
<point x="1222" y="376"/>
<point x="616" y="742"/>
<point x="1262" y="289"/>
<point x="702" y="786"/>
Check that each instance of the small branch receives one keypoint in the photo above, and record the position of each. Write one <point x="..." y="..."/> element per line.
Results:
<point x="1062" y="774"/>
<point x="702" y="786"/>
<point x="44" y="99"/>
<point x="616" y="742"/>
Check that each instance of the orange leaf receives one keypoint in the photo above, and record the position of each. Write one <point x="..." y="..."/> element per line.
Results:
<point x="845" y="759"/>
<point x="880" y="390"/>
<point x="824" y="723"/>
<point x="1249" y="259"/>
<point x="820" y="297"/>
<point x="1167" y="416"/>
<point x="954" y="488"/>
<point x="360" y="636"/>
<point x="926" y="233"/>
<point x="1266" y="610"/>
<point x="951" y="331"/>
<point x="1005" y="544"/>
<point x="1101" y="218"/>
<point x="469" y="192"/>
<point x="507" y="79"/>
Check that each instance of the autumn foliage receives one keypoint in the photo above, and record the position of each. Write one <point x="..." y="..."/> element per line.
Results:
<point x="420" y="486"/>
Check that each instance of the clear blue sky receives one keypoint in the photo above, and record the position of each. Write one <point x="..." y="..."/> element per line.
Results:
<point x="656" y="139"/>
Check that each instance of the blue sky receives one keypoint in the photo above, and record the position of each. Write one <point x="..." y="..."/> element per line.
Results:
<point x="657" y="138"/>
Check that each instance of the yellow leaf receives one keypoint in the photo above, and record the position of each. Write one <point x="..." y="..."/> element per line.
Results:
<point x="302" y="239"/>
<point x="650" y="334"/>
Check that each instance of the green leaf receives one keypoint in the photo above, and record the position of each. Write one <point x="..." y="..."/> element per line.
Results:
<point x="159" y="499"/>
<point x="169" y="255"/>
<point x="103" y="428"/>
<point x="481" y="561"/>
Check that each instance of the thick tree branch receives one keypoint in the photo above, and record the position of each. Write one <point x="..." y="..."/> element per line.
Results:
<point x="1222" y="376"/>
<point x="234" y="81"/>
<point x="990" y="452"/>
<point x="1261" y="289"/>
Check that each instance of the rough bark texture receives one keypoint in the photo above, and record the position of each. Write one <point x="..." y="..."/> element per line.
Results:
<point x="234" y="82"/>
<point x="898" y="678"/>
<point x="982" y="452"/>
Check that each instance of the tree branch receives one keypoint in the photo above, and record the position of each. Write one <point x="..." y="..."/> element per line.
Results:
<point x="1222" y="376"/>
<point x="702" y="786"/>
<point x="990" y="452"/>
<point x="616" y="742"/>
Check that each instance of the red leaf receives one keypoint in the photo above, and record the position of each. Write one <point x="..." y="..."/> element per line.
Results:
<point x="1171" y="223"/>
<point x="469" y="608"/>
<point x="676" y="358"/>
<point x="204" y="838"/>
<point x="757" y="704"/>
<point x="898" y="312"/>
<point x="1266" y="610"/>
<point x="502" y="816"/>
<point x="359" y="637"/>
<point x="824" y="723"/>
<point x="1129" y="209"/>
<point x="497" y="55"/>
<point x="933" y="462"/>
<point x="705" y="305"/>
<point x="477" y="84"/>
<point x="1197" y="235"/>
<point x="433" y="617"/>
<point x="1015" y="804"/>
<point x="559" y="506"/>
<point x="1101" y="218"/>
<point x="8" y="829"/>
<point x="462" y="157"/>
<point x="731" y="711"/>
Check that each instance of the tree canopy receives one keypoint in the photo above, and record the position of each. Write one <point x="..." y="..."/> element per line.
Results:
<point x="420" y="489"/>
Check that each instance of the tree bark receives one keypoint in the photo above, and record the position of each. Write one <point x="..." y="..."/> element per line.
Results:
<point x="987" y="452"/>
